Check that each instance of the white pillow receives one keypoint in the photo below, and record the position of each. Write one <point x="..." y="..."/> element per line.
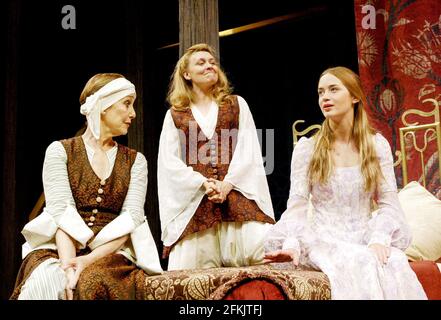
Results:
<point x="423" y="213"/>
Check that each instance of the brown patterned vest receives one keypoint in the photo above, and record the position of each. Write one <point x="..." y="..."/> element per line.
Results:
<point x="211" y="157"/>
<point x="98" y="202"/>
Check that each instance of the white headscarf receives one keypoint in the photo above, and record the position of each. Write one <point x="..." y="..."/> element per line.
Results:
<point x="105" y="97"/>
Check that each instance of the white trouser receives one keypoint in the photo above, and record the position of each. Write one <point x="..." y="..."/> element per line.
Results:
<point x="228" y="244"/>
<point x="46" y="282"/>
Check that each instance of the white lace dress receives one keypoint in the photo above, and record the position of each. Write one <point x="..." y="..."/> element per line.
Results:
<point x="335" y="238"/>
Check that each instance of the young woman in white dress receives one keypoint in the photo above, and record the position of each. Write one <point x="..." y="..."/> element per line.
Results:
<point x="343" y="168"/>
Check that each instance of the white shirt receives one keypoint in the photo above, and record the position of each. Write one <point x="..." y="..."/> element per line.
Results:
<point x="180" y="188"/>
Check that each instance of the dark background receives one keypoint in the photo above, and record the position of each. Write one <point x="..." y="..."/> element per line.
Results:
<point x="45" y="67"/>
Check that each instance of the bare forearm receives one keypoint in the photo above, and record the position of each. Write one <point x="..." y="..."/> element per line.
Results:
<point x="107" y="248"/>
<point x="65" y="246"/>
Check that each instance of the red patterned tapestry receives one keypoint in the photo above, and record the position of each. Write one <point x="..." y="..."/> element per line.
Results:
<point x="399" y="55"/>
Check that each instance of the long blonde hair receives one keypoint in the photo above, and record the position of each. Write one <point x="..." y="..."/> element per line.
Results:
<point x="180" y="93"/>
<point x="321" y="165"/>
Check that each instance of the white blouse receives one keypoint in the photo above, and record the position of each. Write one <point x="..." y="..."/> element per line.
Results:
<point x="180" y="188"/>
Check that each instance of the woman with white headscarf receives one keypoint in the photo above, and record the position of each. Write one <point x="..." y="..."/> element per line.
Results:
<point x="94" y="216"/>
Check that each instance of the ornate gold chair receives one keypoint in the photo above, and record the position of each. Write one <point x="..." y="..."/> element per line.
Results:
<point x="296" y="133"/>
<point x="428" y="133"/>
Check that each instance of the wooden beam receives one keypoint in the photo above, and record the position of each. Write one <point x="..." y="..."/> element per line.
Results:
<point x="271" y="21"/>
<point x="198" y="22"/>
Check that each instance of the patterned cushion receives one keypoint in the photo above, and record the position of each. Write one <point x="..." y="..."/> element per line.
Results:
<point x="217" y="283"/>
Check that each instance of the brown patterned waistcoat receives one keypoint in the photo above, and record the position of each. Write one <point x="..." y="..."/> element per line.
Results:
<point x="98" y="202"/>
<point x="211" y="157"/>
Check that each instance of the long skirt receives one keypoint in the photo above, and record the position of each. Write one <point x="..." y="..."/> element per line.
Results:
<point x="112" y="277"/>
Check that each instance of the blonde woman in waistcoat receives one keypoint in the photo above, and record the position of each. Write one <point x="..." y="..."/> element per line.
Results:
<point x="214" y="200"/>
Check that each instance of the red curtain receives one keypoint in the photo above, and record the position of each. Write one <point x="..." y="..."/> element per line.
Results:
<point x="399" y="54"/>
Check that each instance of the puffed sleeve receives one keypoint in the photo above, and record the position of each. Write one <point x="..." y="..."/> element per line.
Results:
<point x="179" y="186"/>
<point x="246" y="172"/>
<point x="389" y="226"/>
<point x="292" y="226"/>
<point x="60" y="210"/>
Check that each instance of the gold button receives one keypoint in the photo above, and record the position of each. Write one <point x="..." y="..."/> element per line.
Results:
<point x="215" y="176"/>
<point x="102" y="182"/>
<point x="100" y="191"/>
<point x="92" y="219"/>
<point x="95" y="210"/>
<point x="98" y="199"/>
<point x="90" y="224"/>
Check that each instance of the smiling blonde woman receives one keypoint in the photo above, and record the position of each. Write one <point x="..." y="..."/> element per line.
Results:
<point x="214" y="200"/>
